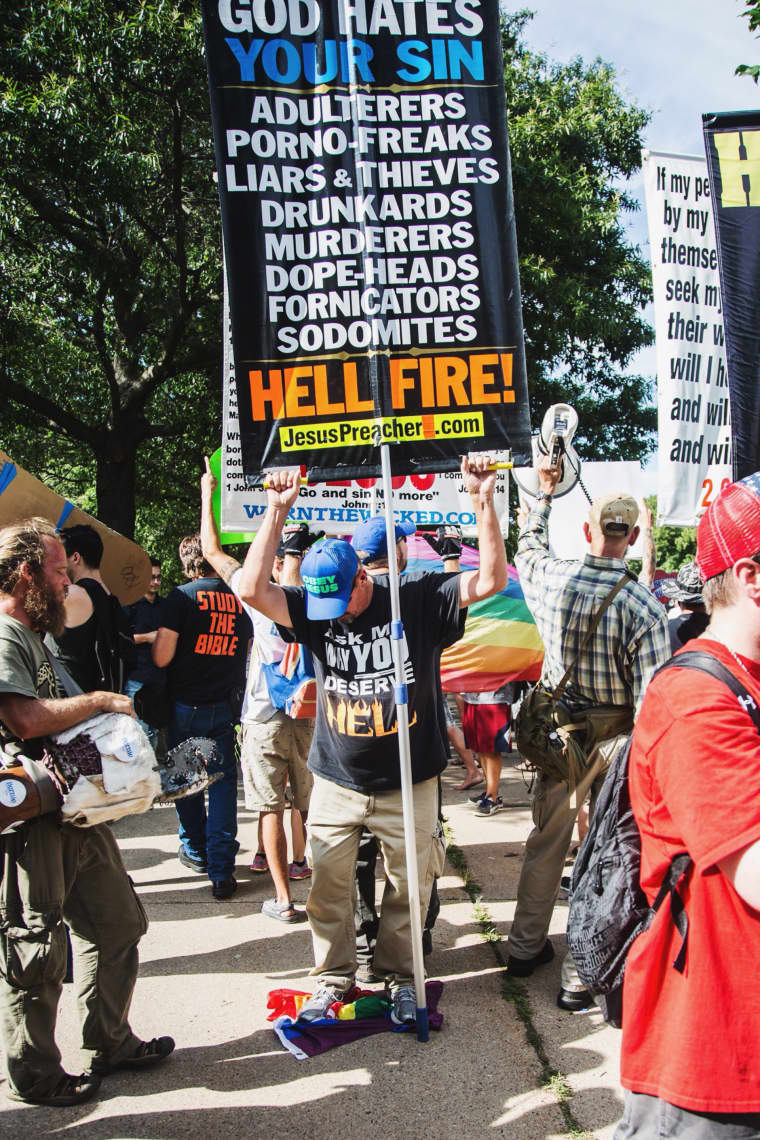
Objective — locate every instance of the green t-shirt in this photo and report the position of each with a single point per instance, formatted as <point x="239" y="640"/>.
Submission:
<point x="25" y="668"/>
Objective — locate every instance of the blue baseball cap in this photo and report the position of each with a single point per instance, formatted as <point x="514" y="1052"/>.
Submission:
<point x="369" y="538"/>
<point x="328" y="573"/>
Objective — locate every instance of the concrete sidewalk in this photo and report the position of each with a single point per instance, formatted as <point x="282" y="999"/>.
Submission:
<point x="499" y="1068"/>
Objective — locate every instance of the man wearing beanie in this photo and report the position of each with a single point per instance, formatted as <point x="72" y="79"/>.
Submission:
<point x="602" y="672"/>
<point x="691" y="1040"/>
<point x="343" y="616"/>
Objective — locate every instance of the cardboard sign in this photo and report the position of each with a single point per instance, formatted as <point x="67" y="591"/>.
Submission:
<point x="125" y="568"/>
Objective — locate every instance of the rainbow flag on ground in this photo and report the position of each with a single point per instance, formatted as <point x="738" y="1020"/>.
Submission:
<point x="500" y="643"/>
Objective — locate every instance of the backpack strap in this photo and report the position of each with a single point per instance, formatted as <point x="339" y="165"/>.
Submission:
<point x="681" y="863"/>
<point x="706" y="663"/>
<point x="626" y="576"/>
<point x="64" y="678"/>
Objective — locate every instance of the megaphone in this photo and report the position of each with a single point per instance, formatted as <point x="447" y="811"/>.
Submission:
<point x="558" y="427"/>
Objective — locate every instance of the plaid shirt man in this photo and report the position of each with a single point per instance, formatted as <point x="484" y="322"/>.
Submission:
<point x="630" y="642"/>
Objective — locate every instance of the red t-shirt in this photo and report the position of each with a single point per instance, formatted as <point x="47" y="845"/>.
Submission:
<point x="693" y="1039"/>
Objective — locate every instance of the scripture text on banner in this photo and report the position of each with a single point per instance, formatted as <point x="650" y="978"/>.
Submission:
<point x="694" y="420"/>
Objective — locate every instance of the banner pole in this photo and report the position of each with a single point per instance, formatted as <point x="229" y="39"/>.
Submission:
<point x="402" y="715"/>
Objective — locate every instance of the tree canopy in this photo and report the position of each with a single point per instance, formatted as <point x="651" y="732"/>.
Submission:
<point x="752" y="14"/>
<point x="574" y="142"/>
<point x="110" y="345"/>
<point x="111" y="262"/>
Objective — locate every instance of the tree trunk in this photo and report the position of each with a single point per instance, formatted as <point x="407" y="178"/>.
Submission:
<point x="115" y="485"/>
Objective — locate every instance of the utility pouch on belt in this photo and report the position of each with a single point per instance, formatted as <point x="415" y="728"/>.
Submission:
<point x="560" y="743"/>
<point x="26" y="791"/>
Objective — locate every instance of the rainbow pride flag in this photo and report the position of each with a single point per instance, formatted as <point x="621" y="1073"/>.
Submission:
<point x="500" y="643"/>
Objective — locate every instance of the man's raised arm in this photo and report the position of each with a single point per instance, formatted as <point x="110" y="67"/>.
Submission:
<point x="224" y="564"/>
<point x="491" y="574"/>
<point x="255" y="584"/>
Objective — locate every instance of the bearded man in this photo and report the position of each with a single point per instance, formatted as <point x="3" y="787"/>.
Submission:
<point x="52" y="872"/>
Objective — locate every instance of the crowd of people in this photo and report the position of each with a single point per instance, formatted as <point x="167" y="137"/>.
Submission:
<point x="296" y="646"/>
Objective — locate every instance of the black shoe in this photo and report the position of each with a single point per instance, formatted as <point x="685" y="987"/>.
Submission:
<point x="224" y="888"/>
<point x="524" y="967"/>
<point x="574" y="1000"/>
<point x="197" y="865"/>
<point x="147" y="1054"/>
<point x="69" y="1090"/>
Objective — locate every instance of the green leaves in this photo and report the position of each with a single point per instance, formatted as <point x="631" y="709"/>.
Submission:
<point x="752" y="15"/>
<point x="574" y="142"/>
<point x="105" y="142"/>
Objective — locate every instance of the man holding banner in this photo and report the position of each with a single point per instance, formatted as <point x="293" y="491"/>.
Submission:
<point x="343" y="616"/>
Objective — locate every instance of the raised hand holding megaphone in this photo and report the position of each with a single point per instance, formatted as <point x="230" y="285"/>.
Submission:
<point x="554" y="443"/>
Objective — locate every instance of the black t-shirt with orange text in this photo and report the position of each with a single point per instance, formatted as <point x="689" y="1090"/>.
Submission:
<point x="212" y="647"/>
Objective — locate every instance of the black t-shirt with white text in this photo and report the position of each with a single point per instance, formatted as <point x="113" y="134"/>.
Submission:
<point x="212" y="647"/>
<point x="355" y="742"/>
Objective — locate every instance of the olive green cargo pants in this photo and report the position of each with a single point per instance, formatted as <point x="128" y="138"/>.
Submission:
<point x="49" y="873"/>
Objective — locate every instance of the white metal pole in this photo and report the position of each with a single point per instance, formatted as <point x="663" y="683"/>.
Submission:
<point x="402" y="715"/>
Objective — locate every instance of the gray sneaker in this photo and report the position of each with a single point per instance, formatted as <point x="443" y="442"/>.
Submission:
<point x="489" y="806"/>
<point x="404" y="1009"/>
<point x="319" y="1003"/>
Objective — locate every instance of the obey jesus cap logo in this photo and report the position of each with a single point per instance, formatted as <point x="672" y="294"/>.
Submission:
<point x="730" y="528"/>
<point x="328" y="573"/>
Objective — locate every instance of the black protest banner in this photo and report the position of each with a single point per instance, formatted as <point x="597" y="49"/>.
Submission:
<point x="732" y="145"/>
<point x="365" y="187"/>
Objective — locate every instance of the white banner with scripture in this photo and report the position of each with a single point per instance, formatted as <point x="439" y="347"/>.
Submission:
<point x="694" y="421"/>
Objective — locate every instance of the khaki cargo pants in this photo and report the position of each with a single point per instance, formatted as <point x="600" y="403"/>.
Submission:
<point x="48" y="873"/>
<point x="336" y="818"/>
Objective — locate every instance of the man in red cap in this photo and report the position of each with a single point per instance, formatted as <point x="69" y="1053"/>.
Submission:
<point x="691" y="1039"/>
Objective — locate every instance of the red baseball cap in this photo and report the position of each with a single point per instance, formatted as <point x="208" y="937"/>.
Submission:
<point x="730" y="529"/>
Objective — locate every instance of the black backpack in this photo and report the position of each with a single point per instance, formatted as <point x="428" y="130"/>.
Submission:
<point x="608" y="908"/>
<point x="115" y="649"/>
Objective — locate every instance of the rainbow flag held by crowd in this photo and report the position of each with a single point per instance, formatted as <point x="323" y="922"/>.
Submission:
<point x="501" y="642"/>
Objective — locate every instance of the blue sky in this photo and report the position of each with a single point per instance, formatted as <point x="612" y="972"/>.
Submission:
<point x="674" y="58"/>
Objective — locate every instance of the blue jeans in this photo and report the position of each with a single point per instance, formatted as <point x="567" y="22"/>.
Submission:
<point x="209" y="837"/>
<point x="130" y="689"/>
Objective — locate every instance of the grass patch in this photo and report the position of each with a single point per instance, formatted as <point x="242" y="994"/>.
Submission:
<point x="514" y="991"/>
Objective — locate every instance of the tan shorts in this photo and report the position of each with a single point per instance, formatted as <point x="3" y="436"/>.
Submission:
<point x="273" y="753"/>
